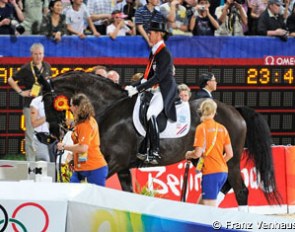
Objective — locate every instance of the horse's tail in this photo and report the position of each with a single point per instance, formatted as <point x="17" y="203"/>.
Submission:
<point x="258" y="143"/>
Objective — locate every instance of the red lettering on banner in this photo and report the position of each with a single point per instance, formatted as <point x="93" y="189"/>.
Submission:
<point x="167" y="181"/>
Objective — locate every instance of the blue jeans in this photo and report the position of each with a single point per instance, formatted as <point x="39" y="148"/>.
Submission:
<point x="96" y="176"/>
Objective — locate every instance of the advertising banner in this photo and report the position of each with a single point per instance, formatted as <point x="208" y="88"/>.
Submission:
<point x="166" y="182"/>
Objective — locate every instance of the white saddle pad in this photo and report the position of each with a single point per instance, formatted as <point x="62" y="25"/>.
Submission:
<point x="173" y="129"/>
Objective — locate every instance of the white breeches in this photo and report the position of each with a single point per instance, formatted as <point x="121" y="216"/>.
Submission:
<point x="156" y="105"/>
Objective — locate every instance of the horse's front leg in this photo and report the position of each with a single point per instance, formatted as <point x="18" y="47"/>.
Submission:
<point x="125" y="179"/>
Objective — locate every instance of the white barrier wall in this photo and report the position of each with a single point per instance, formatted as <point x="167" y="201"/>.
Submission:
<point x="57" y="207"/>
<point x="14" y="170"/>
<point x="33" y="207"/>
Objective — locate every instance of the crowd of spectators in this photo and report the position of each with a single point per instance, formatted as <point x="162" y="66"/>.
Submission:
<point x="55" y="18"/>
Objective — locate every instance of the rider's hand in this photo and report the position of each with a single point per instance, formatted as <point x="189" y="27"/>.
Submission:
<point x="131" y="90"/>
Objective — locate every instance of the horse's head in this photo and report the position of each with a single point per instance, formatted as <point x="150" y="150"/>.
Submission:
<point x="55" y="107"/>
<point x="57" y="92"/>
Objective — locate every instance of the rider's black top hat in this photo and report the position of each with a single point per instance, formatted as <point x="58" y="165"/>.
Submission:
<point x="154" y="26"/>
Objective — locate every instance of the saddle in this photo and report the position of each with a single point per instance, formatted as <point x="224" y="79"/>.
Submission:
<point x="167" y="128"/>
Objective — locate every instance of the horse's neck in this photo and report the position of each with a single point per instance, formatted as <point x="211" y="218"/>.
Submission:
<point x="100" y="93"/>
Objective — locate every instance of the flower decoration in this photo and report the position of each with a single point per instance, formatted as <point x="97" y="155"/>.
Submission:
<point x="61" y="103"/>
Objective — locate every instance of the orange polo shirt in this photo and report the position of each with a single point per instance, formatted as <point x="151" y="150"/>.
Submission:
<point x="214" y="162"/>
<point x="87" y="133"/>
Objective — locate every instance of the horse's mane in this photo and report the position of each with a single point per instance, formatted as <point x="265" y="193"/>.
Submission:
<point x="98" y="88"/>
<point x="81" y="74"/>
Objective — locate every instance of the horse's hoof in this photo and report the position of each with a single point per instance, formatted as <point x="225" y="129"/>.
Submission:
<point x="141" y="156"/>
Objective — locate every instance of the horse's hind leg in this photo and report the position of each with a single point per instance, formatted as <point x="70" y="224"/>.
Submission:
<point x="224" y="190"/>
<point x="241" y="192"/>
<point x="125" y="179"/>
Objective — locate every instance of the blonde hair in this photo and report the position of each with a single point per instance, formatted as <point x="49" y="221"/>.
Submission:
<point x="207" y="109"/>
<point x="184" y="87"/>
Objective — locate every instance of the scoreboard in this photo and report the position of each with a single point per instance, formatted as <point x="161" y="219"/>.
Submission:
<point x="270" y="90"/>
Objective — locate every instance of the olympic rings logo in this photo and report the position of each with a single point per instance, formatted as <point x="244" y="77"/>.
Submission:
<point x="15" y="222"/>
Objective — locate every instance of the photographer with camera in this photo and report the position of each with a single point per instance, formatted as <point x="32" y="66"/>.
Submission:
<point x="232" y="18"/>
<point x="10" y="15"/>
<point x="202" y="22"/>
<point x="271" y="22"/>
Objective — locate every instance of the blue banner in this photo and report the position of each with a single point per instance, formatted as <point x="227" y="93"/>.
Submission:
<point x="136" y="47"/>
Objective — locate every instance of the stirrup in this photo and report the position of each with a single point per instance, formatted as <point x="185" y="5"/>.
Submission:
<point x="147" y="160"/>
<point x="141" y="156"/>
<point x="151" y="160"/>
<point x="154" y="156"/>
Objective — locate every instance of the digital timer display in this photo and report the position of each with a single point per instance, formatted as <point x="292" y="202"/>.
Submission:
<point x="226" y="75"/>
<point x="265" y="76"/>
<point x="6" y="72"/>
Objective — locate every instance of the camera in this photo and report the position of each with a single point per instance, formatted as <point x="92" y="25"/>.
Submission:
<point x="240" y="1"/>
<point x="16" y="26"/>
<point x="202" y="8"/>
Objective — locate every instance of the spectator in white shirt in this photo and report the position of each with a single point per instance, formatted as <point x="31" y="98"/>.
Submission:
<point x="76" y="16"/>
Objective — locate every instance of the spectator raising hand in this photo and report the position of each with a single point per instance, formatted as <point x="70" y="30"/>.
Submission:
<point x="202" y="22"/>
<point x="120" y="27"/>
<point x="232" y="17"/>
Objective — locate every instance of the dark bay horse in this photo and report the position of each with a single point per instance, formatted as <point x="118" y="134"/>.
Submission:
<point x="120" y="141"/>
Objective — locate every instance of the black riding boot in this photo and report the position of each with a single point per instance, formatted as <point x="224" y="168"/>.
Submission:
<point x="154" y="141"/>
<point x="143" y="152"/>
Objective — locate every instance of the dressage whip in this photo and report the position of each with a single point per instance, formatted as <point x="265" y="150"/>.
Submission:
<point x="185" y="179"/>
